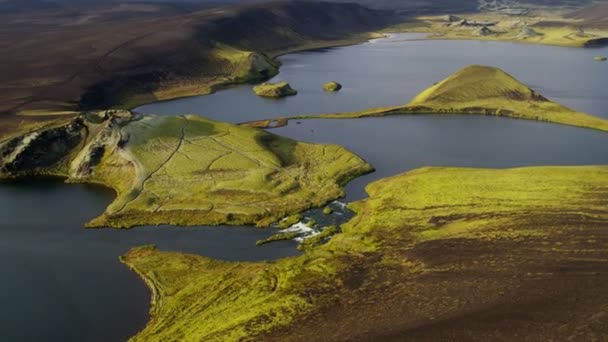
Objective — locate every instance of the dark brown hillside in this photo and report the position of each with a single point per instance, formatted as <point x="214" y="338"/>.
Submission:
<point x="64" y="60"/>
<point x="593" y="16"/>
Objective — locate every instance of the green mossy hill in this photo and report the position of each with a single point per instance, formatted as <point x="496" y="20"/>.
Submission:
<point x="477" y="83"/>
<point x="276" y="90"/>
<point x="484" y="90"/>
<point x="332" y="86"/>
<point x="439" y="244"/>
<point x="185" y="170"/>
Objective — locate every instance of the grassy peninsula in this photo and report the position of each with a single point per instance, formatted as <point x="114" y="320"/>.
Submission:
<point x="482" y="90"/>
<point x="433" y="253"/>
<point x="184" y="170"/>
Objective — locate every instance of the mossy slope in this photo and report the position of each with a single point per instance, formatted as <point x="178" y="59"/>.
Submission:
<point x="187" y="170"/>
<point x="432" y="253"/>
<point x="485" y="90"/>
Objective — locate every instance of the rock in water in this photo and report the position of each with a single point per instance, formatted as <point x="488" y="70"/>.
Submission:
<point x="332" y="86"/>
<point x="275" y="90"/>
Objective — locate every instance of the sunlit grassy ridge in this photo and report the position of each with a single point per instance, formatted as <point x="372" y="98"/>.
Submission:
<point x="190" y="170"/>
<point x="549" y="216"/>
<point x="484" y="90"/>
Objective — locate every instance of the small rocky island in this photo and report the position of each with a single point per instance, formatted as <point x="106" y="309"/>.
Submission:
<point x="601" y="58"/>
<point x="276" y="90"/>
<point x="332" y="86"/>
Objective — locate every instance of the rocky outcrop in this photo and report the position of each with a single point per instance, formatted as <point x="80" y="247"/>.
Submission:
<point x="42" y="152"/>
<point x="69" y="150"/>
<point x="332" y="86"/>
<point x="485" y="31"/>
<point x="528" y="32"/>
<point x="451" y="18"/>
<point x="261" y="66"/>
<point x="275" y="90"/>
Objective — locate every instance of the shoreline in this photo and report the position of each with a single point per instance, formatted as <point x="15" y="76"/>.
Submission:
<point x="210" y="88"/>
<point x="221" y="285"/>
<point x="213" y="87"/>
<point x="370" y="36"/>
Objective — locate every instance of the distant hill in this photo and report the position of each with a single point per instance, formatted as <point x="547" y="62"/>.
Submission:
<point x="104" y="56"/>
<point x="593" y="16"/>
<point x="407" y="7"/>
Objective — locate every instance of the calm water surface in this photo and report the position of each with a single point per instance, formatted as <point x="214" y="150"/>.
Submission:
<point x="396" y="144"/>
<point x="61" y="282"/>
<point x="392" y="71"/>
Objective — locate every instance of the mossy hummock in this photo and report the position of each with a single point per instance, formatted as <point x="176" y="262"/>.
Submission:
<point x="185" y="170"/>
<point x="275" y="90"/>
<point x="332" y="86"/>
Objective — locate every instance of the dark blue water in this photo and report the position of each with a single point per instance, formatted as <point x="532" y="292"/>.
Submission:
<point x="396" y="144"/>
<point x="61" y="282"/>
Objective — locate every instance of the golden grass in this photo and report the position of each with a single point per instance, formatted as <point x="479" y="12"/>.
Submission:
<point x="193" y="171"/>
<point x="201" y="299"/>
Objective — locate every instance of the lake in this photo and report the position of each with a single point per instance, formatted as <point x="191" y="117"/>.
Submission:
<point x="61" y="282"/>
<point x="388" y="72"/>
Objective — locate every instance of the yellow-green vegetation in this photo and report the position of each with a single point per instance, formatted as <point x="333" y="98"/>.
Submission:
<point x="278" y="237"/>
<point x="185" y="170"/>
<point x="237" y="65"/>
<point x="40" y="112"/>
<point x="483" y="90"/>
<point x="318" y="239"/>
<point x="192" y="171"/>
<point x="290" y="221"/>
<point x="426" y="248"/>
<point x="332" y="86"/>
<point x="328" y="210"/>
<point x="538" y="27"/>
<point x="601" y="58"/>
<point x="276" y="90"/>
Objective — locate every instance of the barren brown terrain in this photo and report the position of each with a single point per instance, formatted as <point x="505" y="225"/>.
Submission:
<point x="69" y="59"/>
